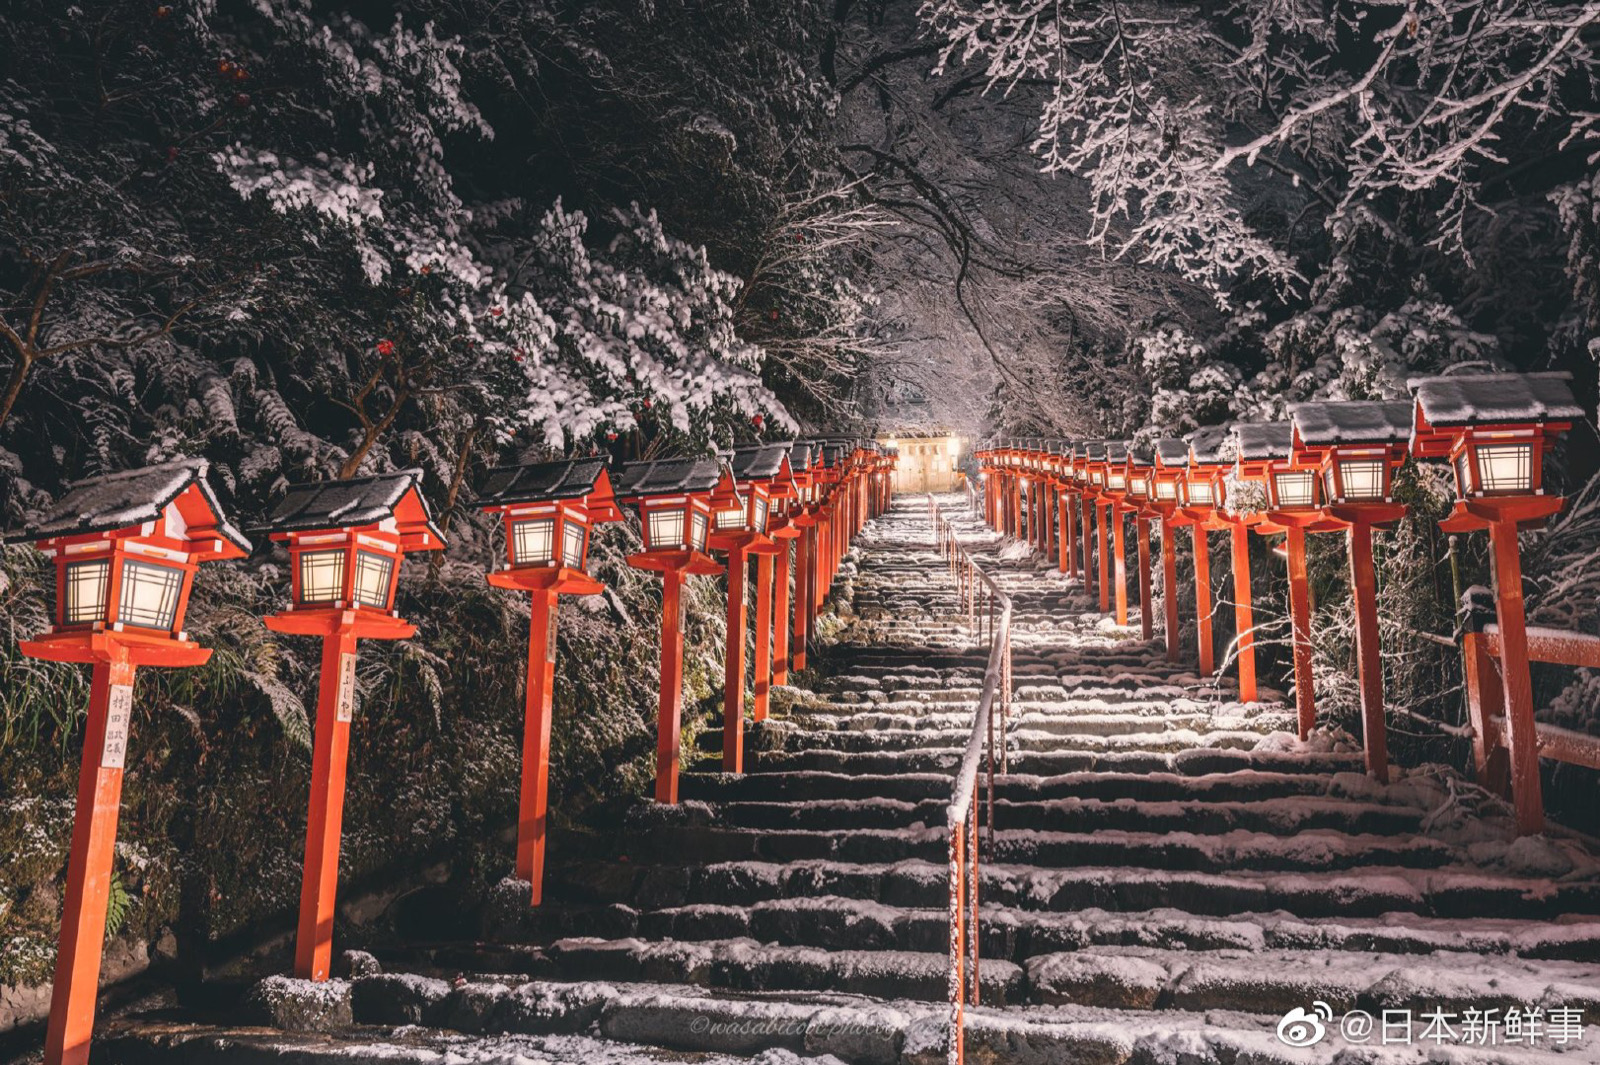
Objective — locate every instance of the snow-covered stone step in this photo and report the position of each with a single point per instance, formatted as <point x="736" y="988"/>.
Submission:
<point x="744" y="964"/>
<point x="1284" y="816"/>
<point x="1276" y="981"/>
<point x="1191" y="782"/>
<point x="1161" y="735"/>
<point x="1368" y="891"/>
<point x="1312" y="850"/>
<point x="1195" y="760"/>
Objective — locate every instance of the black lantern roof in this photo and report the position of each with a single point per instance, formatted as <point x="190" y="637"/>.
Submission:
<point x="758" y="462"/>
<point x="832" y="454"/>
<point x="362" y="501"/>
<point x="1210" y="445"/>
<point x="1490" y="399"/>
<point x="1140" y="455"/>
<point x="1116" y="450"/>
<point x="659" y="477"/>
<point x="129" y="497"/>
<point x="542" y="481"/>
<point x="1351" y="422"/>
<point x="1090" y="450"/>
<point x="800" y="456"/>
<point x="1172" y="451"/>
<point x="1258" y="441"/>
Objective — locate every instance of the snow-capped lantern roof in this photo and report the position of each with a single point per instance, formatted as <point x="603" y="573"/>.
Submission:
<point x="583" y="480"/>
<point x="1263" y="441"/>
<point x="800" y="456"/>
<point x="175" y="493"/>
<point x="1351" y="422"/>
<point x="1171" y="451"/>
<point x="388" y="497"/>
<point x="670" y="476"/>
<point x="1210" y="445"/>
<point x="759" y="462"/>
<point x="1116" y="451"/>
<point x="1494" y="399"/>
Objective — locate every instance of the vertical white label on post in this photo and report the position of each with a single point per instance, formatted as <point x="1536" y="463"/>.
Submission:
<point x="550" y="627"/>
<point x="346" y="705"/>
<point x="119" y="712"/>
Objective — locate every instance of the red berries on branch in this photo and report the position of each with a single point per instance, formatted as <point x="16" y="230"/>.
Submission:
<point x="385" y="347"/>
<point x="758" y="421"/>
<point x="773" y="315"/>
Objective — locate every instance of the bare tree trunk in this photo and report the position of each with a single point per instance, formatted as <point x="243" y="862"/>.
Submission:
<point x="19" y="374"/>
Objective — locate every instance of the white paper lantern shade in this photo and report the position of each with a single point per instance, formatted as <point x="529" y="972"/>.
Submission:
<point x="533" y="541"/>
<point x="87" y="592"/>
<point x="149" y="596"/>
<point x="1167" y="490"/>
<point x="574" y="542"/>
<point x="1116" y="482"/>
<point x="374" y="579"/>
<point x="1504" y="467"/>
<point x="1295" y="489"/>
<point x="759" y="518"/>
<point x="1200" y="493"/>
<point x="322" y="576"/>
<point x="666" y="528"/>
<point x="730" y="519"/>
<point x="1361" y="479"/>
<point x="702" y="525"/>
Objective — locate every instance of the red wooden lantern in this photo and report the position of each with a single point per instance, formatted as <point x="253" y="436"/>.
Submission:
<point x="1245" y="497"/>
<point x="548" y="511"/>
<point x="1065" y="490"/>
<point x="772" y="601"/>
<point x="126" y="547"/>
<point x="1114" y="499"/>
<point x="1090" y="457"/>
<point x="1495" y="430"/>
<point x="1140" y="502"/>
<point x="801" y="514"/>
<point x="346" y="540"/>
<point x="674" y="501"/>
<point x="1355" y="447"/>
<point x="1209" y="453"/>
<point x="1167" y="495"/>
<point x="739" y="527"/>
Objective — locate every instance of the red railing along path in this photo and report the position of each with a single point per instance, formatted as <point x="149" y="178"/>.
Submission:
<point x="1493" y="730"/>
<point x="961" y="816"/>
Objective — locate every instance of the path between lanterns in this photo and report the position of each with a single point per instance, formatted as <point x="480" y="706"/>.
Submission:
<point x="1171" y="874"/>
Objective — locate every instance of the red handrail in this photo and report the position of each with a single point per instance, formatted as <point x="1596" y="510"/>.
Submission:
<point x="961" y="815"/>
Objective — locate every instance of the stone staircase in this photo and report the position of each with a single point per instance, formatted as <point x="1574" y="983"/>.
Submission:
<point x="1171" y="872"/>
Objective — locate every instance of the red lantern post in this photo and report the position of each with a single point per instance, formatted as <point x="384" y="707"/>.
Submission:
<point x="548" y="511"/>
<point x="1495" y="430"/>
<point x="673" y="497"/>
<point x="1203" y="492"/>
<point x="1115" y="495"/>
<point x="1356" y="447"/>
<point x="1169" y="482"/>
<point x="126" y="547"/>
<point x="791" y="532"/>
<point x="346" y="541"/>
<point x="1141" y="504"/>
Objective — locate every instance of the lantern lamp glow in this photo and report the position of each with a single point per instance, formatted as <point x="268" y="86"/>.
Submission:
<point x="1495" y="430"/>
<point x="674" y="500"/>
<point x="346" y="540"/>
<point x="126" y="546"/>
<point x="542" y="505"/>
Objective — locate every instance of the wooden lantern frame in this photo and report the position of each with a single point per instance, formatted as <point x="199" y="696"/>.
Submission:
<point x="167" y="516"/>
<point x="1455" y="418"/>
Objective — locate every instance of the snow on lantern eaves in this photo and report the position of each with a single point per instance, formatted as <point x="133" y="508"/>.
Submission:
<point x="359" y="502"/>
<point x="1171" y="451"/>
<point x="759" y="462"/>
<point x="570" y="479"/>
<point x="653" y="477"/>
<point x="131" y="498"/>
<point x="1263" y="441"/>
<point x="1350" y="422"/>
<point x="1481" y="399"/>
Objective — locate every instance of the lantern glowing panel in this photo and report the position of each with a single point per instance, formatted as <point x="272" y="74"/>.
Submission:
<point x="1200" y="493"/>
<point x="1167" y="490"/>
<point x="88" y="591"/>
<point x="1297" y="488"/>
<point x="533" y="541"/>
<point x="1361" y="479"/>
<point x="1504" y="467"/>
<point x="149" y="595"/>
<point x="574" y="544"/>
<point x="321" y="576"/>
<point x="374" y="584"/>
